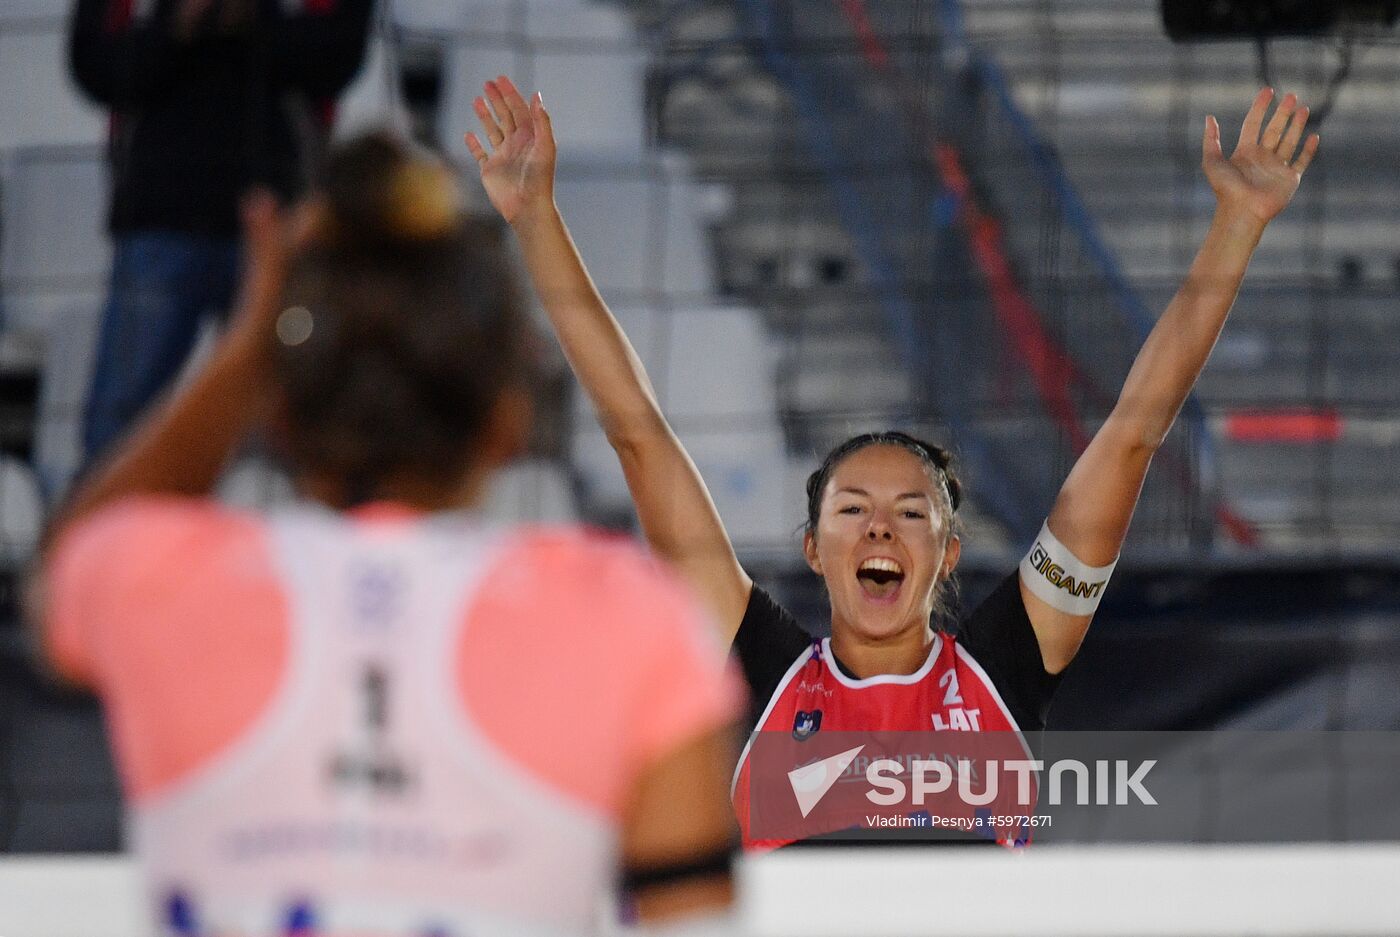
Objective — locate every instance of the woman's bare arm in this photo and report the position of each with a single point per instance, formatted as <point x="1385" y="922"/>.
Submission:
<point x="1096" y="503"/>
<point x="677" y="514"/>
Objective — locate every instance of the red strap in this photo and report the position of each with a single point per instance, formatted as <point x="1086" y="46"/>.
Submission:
<point x="325" y="110"/>
<point x="118" y="15"/>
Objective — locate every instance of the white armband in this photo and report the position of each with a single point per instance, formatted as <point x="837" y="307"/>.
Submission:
<point x="1060" y="579"/>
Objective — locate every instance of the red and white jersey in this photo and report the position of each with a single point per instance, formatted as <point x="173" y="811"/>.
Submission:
<point x="950" y="691"/>
<point x="383" y="724"/>
<point x="990" y="678"/>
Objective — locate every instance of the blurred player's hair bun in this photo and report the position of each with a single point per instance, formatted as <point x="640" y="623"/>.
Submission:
<point x="380" y="191"/>
<point x="404" y="323"/>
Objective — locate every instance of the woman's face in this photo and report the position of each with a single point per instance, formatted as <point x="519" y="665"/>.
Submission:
<point x="882" y="544"/>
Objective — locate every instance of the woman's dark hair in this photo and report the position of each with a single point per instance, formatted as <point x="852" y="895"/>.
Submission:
<point x="938" y="460"/>
<point x="402" y="327"/>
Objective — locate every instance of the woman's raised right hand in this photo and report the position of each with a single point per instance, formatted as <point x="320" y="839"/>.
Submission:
<point x="518" y="169"/>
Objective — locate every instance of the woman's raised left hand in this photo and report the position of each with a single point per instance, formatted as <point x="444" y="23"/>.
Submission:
<point x="518" y="169"/>
<point x="1260" y="177"/>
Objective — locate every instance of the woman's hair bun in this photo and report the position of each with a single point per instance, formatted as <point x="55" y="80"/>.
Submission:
<point x="379" y="190"/>
<point x="424" y="202"/>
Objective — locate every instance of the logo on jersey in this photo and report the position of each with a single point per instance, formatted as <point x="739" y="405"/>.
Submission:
<point x="806" y="723"/>
<point x="377" y="594"/>
<point x="180" y="915"/>
<point x="300" y="920"/>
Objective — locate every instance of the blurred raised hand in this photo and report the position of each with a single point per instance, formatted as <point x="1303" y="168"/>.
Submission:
<point x="517" y="169"/>
<point x="1260" y="177"/>
<point x="269" y="239"/>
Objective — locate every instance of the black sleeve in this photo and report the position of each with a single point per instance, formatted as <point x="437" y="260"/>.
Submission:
<point x="999" y="636"/>
<point x="768" y="641"/>
<point x="120" y="67"/>
<point x="319" y="53"/>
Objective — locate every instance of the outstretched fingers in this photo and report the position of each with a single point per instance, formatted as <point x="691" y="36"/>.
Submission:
<point x="1288" y="146"/>
<point x="265" y="236"/>
<point x="1254" y="120"/>
<point x="544" y="127"/>
<point x="475" y="148"/>
<point x="1210" y="142"/>
<point x="265" y="232"/>
<point x="1300" y="165"/>
<point x="1273" y="133"/>
<point x="488" y="122"/>
<point x="514" y="102"/>
<point x="262" y="220"/>
<point x="504" y="117"/>
<point x="506" y="114"/>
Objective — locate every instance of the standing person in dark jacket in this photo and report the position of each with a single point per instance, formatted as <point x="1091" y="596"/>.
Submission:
<point x="208" y="98"/>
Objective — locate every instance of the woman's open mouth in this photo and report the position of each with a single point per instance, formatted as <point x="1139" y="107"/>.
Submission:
<point x="880" y="579"/>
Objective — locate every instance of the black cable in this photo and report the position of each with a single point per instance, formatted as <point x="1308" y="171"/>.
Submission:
<point x="1346" y="58"/>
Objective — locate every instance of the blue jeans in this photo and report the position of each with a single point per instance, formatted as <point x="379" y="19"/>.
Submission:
<point x="162" y="285"/>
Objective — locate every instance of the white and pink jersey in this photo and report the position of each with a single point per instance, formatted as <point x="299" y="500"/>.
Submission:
<point x="377" y="724"/>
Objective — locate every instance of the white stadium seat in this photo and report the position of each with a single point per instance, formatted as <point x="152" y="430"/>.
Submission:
<point x="21" y="512"/>
<point x="719" y="366"/>
<point x="371" y="101"/>
<point x="756" y="488"/>
<point x="40" y="105"/>
<point x="55" y="203"/>
<point x="530" y="491"/>
<point x="602" y="115"/>
<point x="67" y="322"/>
<point x="751" y="481"/>
<point x="639" y="228"/>
<point x="464" y="68"/>
<point x="254" y="484"/>
<point x="474" y="19"/>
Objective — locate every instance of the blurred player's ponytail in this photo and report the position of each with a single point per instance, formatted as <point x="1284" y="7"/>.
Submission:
<point x="405" y="325"/>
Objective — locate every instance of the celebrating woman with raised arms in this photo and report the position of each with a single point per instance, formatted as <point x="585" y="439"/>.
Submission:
<point x="882" y="526"/>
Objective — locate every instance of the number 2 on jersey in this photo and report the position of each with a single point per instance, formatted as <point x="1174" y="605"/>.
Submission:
<point x="949" y="680"/>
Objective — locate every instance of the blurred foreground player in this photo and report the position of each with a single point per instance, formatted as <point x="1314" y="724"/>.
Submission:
<point x="370" y="714"/>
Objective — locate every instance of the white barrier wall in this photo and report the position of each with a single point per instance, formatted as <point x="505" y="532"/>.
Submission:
<point x="1065" y="890"/>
